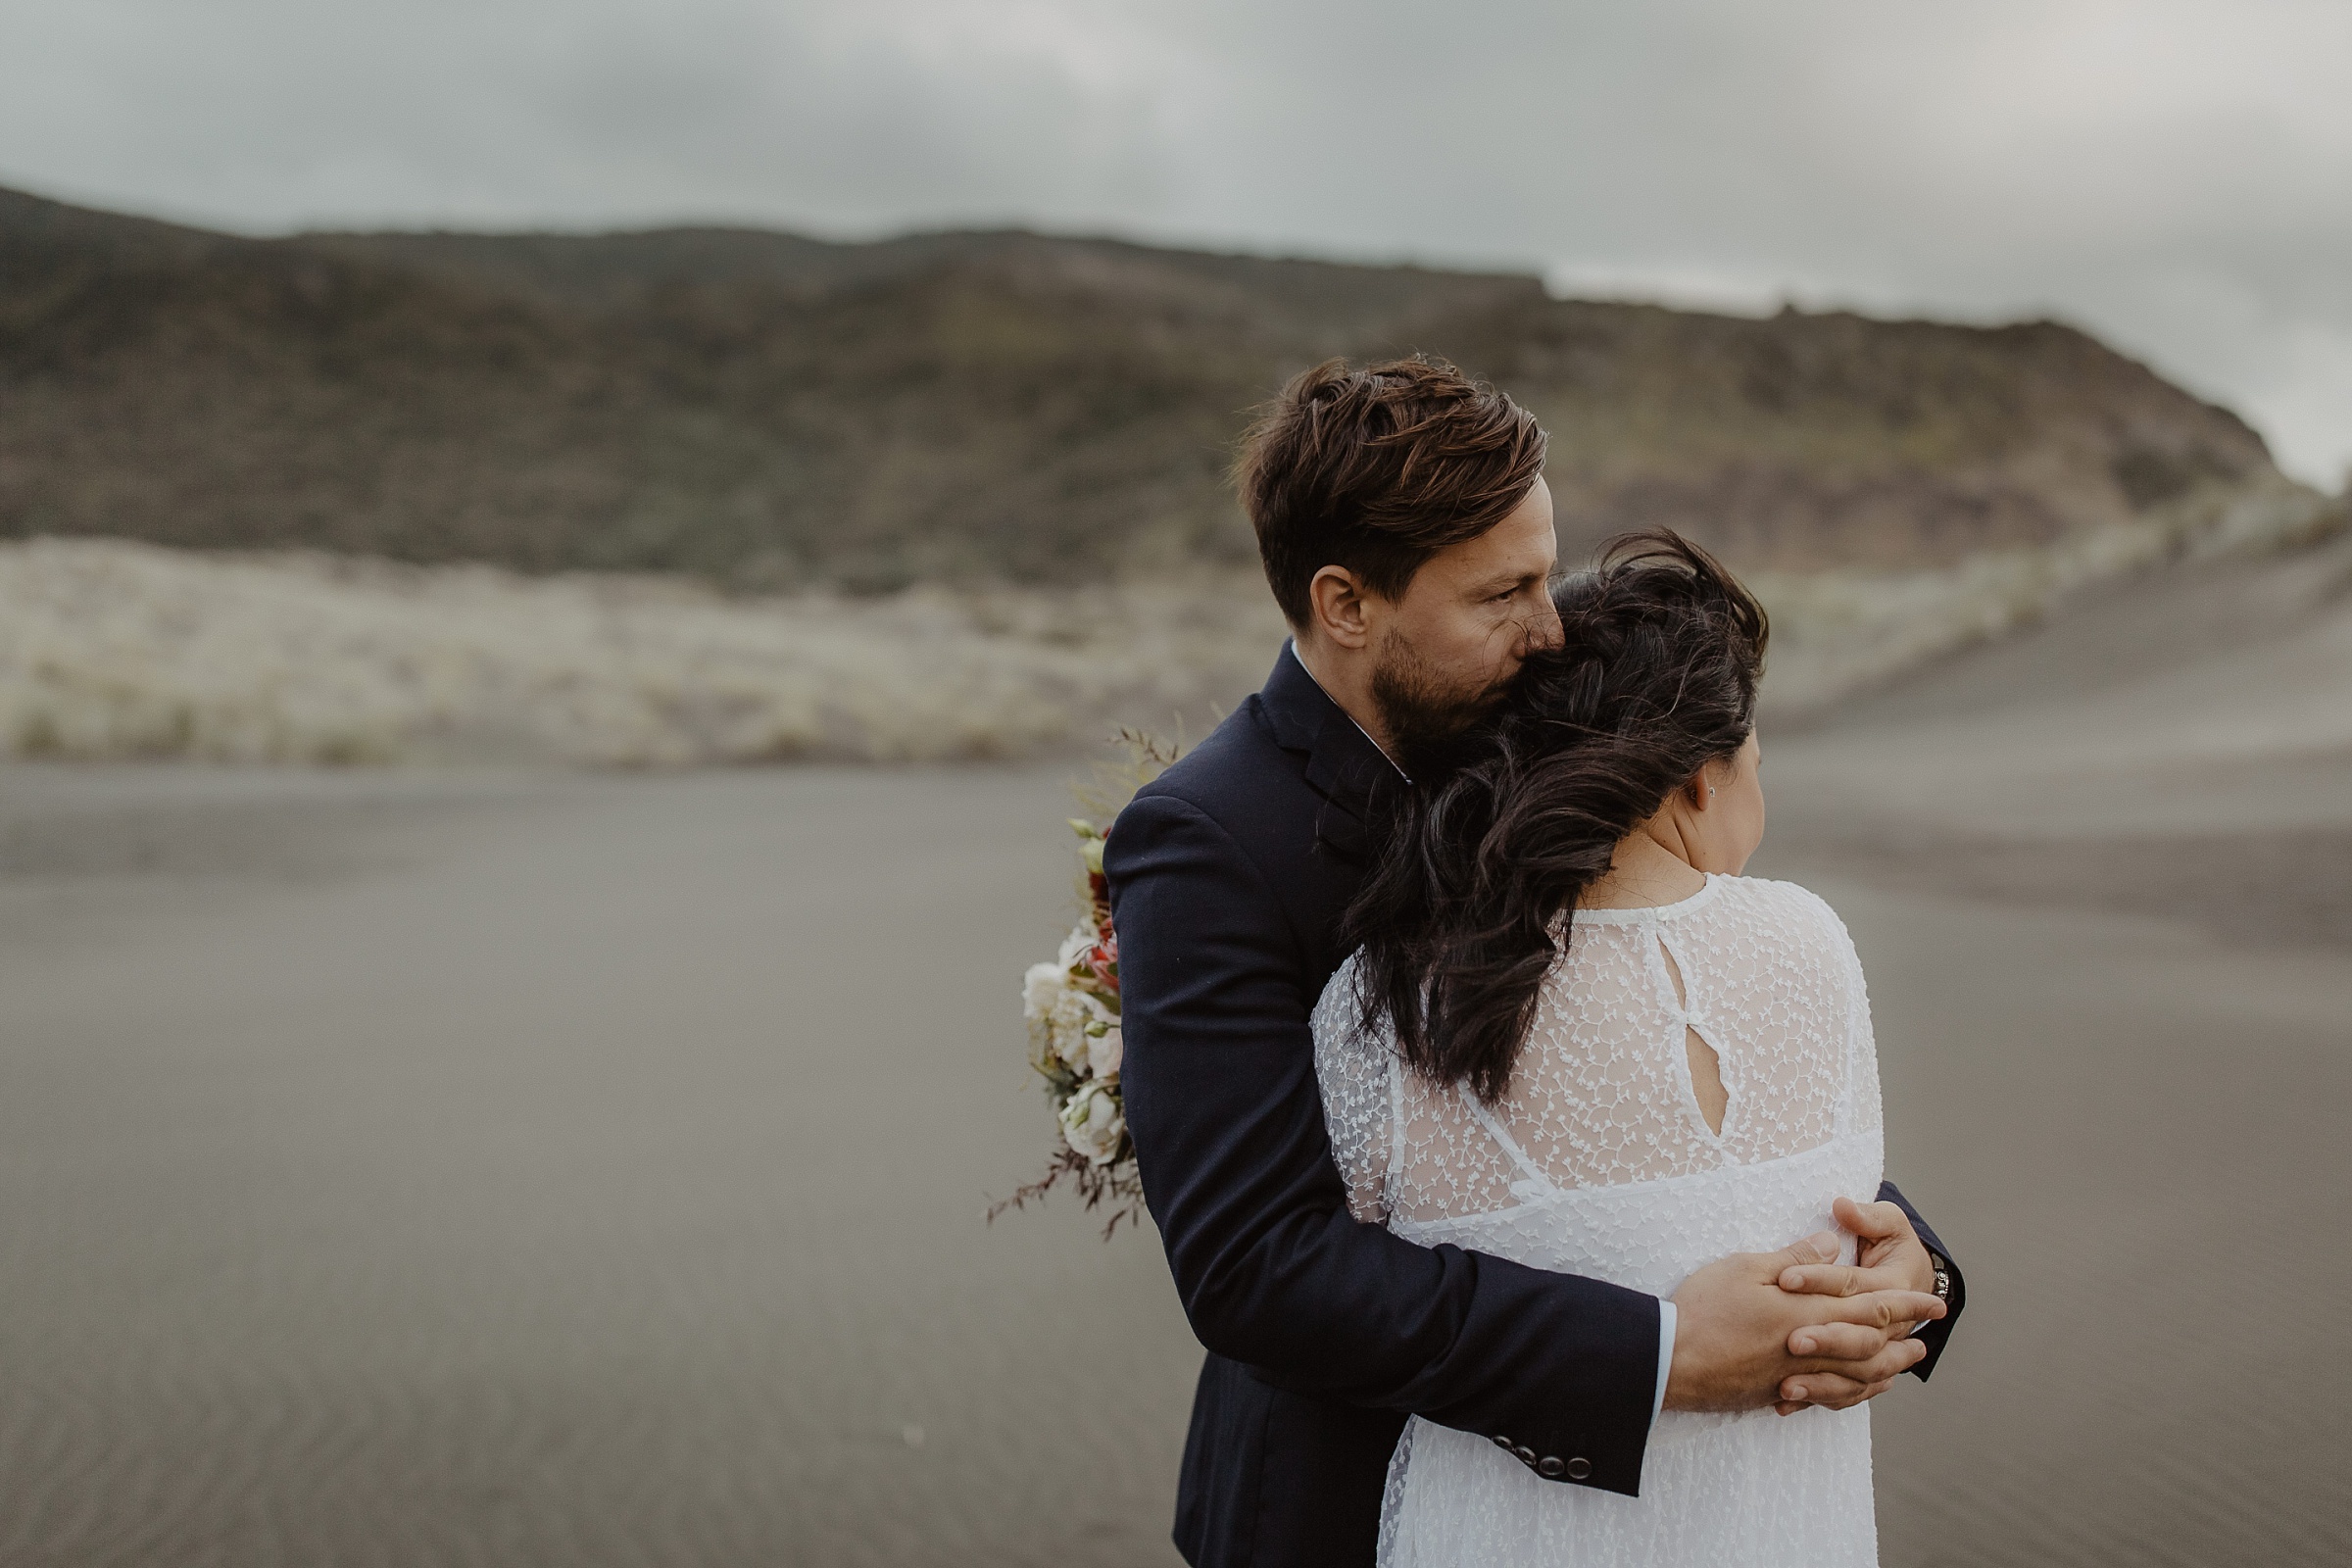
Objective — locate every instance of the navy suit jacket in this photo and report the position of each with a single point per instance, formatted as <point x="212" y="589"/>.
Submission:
<point x="1228" y="877"/>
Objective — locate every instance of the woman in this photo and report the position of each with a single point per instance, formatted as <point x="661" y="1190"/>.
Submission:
<point x="1577" y="1037"/>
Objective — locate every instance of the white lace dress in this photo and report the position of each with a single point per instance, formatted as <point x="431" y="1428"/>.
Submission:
<point x="1601" y="1163"/>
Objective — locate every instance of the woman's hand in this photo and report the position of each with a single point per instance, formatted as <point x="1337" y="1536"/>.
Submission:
<point x="1892" y="1258"/>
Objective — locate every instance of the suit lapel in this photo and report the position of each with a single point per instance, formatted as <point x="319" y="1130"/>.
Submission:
<point x="1343" y="766"/>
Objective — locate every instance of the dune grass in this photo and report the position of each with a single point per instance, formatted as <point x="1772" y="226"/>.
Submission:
<point x="110" y="649"/>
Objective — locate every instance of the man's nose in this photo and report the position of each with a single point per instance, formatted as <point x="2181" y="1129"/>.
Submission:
<point x="1543" y="632"/>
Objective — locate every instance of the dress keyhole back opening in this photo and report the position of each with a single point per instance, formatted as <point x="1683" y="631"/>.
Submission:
<point x="1705" y="1067"/>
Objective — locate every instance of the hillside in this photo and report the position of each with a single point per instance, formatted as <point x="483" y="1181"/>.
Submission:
<point x="780" y="413"/>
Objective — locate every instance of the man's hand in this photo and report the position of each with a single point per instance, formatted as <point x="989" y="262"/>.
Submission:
<point x="1736" y="1334"/>
<point x="1892" y="1258"/>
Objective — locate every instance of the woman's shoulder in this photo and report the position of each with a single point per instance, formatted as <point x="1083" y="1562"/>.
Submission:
<point x="1338" y="1018"/>
<point x="1339" y="1001"/>
<point x="1790" y="905"/>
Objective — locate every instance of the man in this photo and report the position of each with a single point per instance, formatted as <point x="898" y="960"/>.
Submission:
<point x="1408" y="534"/>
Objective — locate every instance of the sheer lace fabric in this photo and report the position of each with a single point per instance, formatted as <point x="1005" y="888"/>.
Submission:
<point x="1600" y="1162"/>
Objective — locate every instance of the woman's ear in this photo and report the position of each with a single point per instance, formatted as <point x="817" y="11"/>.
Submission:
<point x="1705" y="784"/>
<point x="1334" y="602"/>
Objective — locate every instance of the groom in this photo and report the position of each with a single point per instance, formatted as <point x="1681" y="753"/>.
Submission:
<point x="1408" y="535"/>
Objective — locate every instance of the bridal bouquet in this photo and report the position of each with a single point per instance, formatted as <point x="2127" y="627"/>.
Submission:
<point x="1072" y="1005"/>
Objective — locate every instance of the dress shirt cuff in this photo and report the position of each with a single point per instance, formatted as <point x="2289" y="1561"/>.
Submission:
<point x="1665" y="1356"/>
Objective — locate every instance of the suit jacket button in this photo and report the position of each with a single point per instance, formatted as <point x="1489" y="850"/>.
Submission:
<point x="1579" y="1469"/>
<point x="1527" y="1455"/>
<point x="1551" y="1467"/>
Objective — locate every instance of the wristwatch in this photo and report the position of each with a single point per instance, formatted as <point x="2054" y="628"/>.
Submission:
<point x="1942" y="1265"/>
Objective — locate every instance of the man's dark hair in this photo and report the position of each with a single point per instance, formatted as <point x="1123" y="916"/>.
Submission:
<point x="1377" y="470"/>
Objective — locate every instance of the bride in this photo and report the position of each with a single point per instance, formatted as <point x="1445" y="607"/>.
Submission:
<point x="1575" y="1036"/>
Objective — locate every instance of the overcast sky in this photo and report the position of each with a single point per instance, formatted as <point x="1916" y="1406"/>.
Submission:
<point x="2175" y="176"/>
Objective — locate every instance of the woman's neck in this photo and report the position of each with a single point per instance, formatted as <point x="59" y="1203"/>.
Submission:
<point x="1644" y="874"/>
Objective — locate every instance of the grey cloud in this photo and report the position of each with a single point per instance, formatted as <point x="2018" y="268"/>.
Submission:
<point x="2172" y="173"/>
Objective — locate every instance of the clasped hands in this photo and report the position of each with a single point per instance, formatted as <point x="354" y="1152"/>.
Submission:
<point x="1795" y="1328"/>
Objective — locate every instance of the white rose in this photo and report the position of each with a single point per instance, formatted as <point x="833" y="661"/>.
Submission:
<point x="1081" y="938"/>
<point x="1042" y="987"/>
<point x="1099" y="1042"/>
<point x="1103" y="1051"/>
<point x="1092" y="1125"/>
<point x="1041" y="1054"/>
<point x="1072" y="1011"/>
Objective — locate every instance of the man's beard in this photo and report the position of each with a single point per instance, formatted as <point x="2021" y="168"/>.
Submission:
<point x="1428" y="719"/>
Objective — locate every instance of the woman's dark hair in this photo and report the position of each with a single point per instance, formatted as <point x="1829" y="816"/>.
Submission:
<point x="1656" y="678"/>
<point x="1377" y="470"/>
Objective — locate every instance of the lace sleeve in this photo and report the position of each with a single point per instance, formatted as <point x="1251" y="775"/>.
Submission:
<point x="1865" y="1108"/>
<point x="1352" y="1071"/>
<point x="1870" y="1111"/>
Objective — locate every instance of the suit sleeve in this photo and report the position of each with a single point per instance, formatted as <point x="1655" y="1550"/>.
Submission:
<point x="1221" y="1096"/>
<point x="1934" y="1336"/>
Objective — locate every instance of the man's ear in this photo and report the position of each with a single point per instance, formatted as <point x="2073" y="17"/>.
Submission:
<point x="1335" y="607"/>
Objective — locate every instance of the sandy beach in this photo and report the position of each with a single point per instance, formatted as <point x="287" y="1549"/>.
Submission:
<point x="520" y="1167"/>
